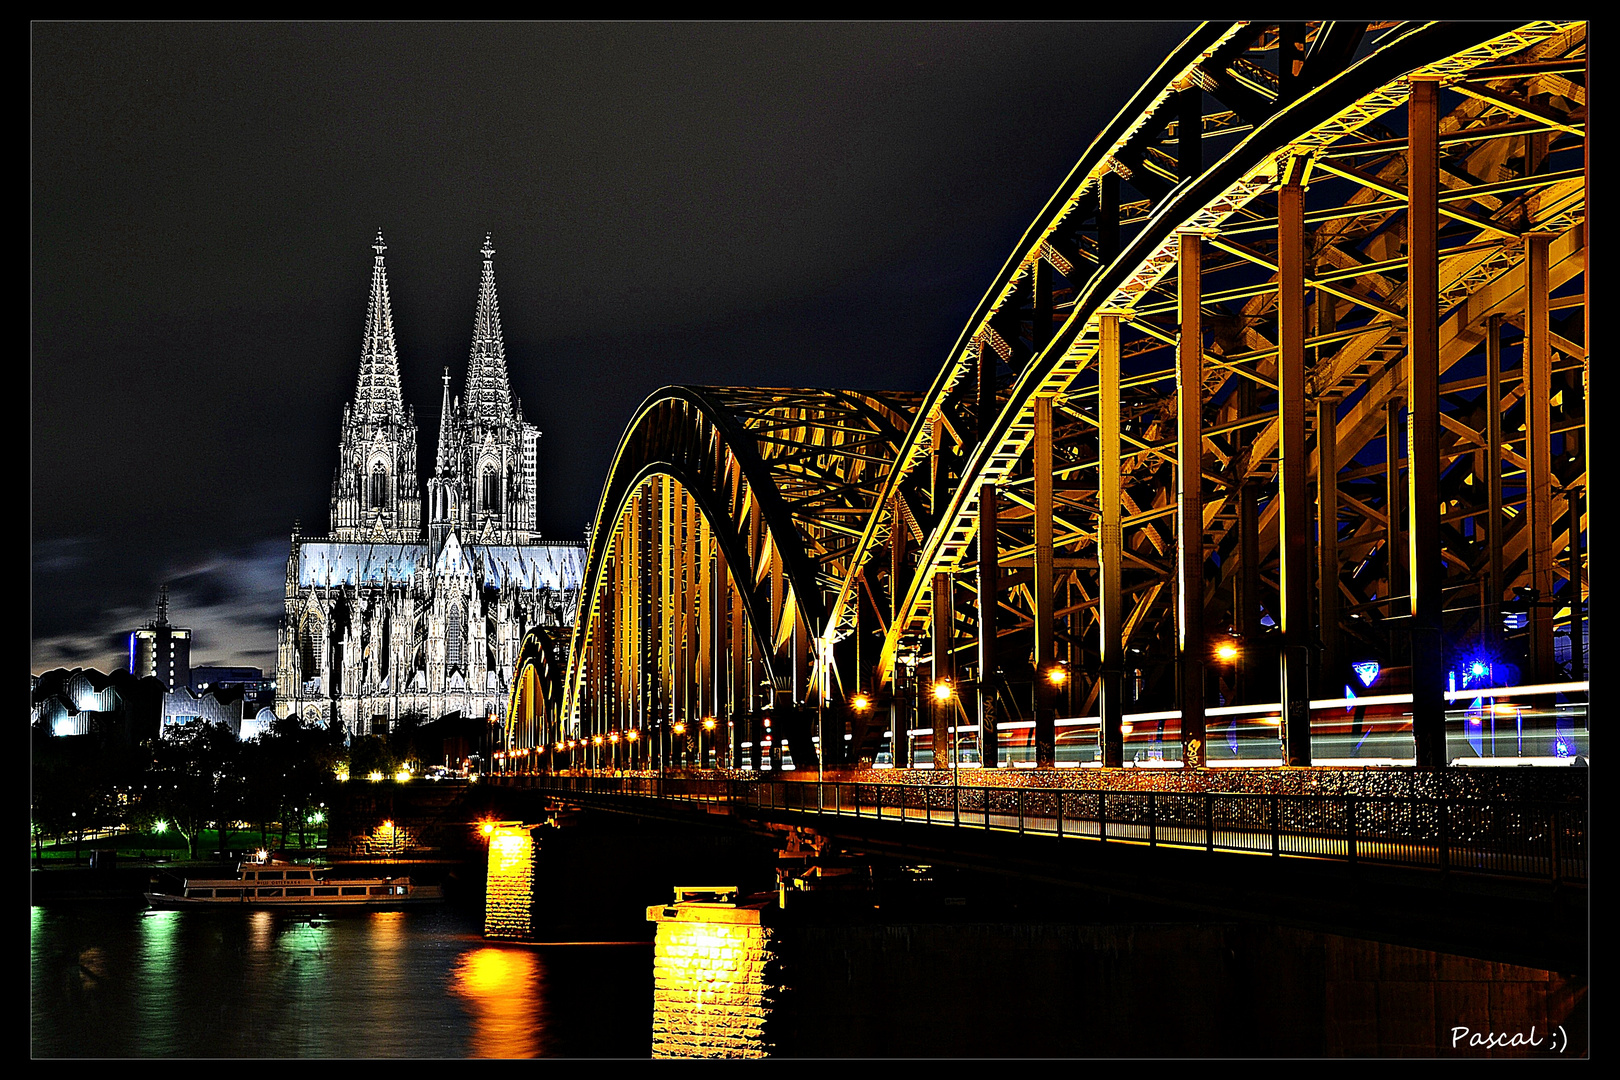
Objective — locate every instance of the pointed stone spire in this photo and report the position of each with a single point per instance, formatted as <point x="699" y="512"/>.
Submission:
<point x="441" y="463"/>
<point x="489" y="393"/>
<point x="378" y="399"/>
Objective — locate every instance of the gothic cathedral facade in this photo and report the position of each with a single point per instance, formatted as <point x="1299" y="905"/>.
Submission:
<point x="413" y="610"/>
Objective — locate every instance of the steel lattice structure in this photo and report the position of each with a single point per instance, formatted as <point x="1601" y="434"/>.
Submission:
<point x="1341" y="266"/>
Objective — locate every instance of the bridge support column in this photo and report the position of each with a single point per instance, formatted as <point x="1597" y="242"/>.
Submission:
<point x="1423" y="420"/>
<point x="1190" y="502"/>
<point x="1247" y="618"/>
<point x="509" y="886"/>
<point x="943" y="710"/>
<point x="1110" y="551"/>
<point x="1293" y="523"/>
<point x="1537" y="368"/>
<point x="1041" y="587"/>
<point x="1327" y="540"/>
<point x="1495" y="523"/>
<point x="989" y="600"/>
<point x="899" y="714"/>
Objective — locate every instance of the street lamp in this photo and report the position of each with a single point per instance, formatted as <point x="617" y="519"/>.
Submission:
<point x="679" y="728"/>
<point x="1227" y="652"/>
<point x="708" y="725"/>
<point x="943" y="692"/>
<point x="632" y="735"/>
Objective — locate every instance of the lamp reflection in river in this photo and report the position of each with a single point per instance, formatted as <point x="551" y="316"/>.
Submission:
<point x="500" y="989"/>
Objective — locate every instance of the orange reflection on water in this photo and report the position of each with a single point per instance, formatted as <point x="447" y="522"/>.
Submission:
<point x="499" y="989"/>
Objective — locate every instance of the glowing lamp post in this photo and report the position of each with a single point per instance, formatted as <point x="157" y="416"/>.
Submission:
<point x="632" y="735"/>
<point x="679" y="728"/>
<point x="1227" y="653"/>
<point x="942" y="694"/>
<point x="708" y="725"/>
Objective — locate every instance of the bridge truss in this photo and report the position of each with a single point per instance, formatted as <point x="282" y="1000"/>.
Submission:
<point x="1296" y="356"/>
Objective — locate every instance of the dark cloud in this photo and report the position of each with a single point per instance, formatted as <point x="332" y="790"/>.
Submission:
<point x="813" y="203"/>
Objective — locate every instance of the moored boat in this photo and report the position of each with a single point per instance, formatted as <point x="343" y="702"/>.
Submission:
<point x="300" y="888"/>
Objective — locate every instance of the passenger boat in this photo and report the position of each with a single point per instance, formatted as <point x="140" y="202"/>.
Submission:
<point x="299" y="888"/>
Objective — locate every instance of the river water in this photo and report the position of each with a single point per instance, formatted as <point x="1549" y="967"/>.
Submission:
<point x="113" y="981"/>
<point x="923" y="964"/>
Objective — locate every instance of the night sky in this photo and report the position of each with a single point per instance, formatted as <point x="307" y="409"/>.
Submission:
<point x="777" y="204"/>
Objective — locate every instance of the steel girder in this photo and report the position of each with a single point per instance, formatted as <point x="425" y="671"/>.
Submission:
<point x="1229" y="271"/>
<point x="536" y="694"/>
<point x="728" y="518"/>
<point x="1509" y="136"/>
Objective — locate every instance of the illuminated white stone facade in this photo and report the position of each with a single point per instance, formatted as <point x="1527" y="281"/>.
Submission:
<point x="393" y="615"/>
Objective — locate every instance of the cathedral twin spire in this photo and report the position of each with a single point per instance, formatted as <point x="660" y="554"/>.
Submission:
<point x="378" y="399"/>
<point x="375" y="492"/>
<point x="489" y="393"/>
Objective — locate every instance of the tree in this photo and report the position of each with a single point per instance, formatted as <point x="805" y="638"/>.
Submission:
<point x="193" y="774"/>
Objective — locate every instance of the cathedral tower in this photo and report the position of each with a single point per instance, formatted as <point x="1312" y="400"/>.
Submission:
<point x="485" y="469"/>
<point x="375" y="496"/>
<point x="401" y="614"/>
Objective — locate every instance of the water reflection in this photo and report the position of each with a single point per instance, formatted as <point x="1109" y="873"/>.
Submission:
<point x="155" y="975"/>
<point x="501" y="992"/>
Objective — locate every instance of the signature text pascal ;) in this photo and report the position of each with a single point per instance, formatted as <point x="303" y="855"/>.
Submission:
<point x="1555" y="1041"/>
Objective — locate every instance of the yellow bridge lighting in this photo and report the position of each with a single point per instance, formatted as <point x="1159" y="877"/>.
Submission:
<point x="632" y="735"/>
<point x="708" y="723"/>
<point x="1058" y="675"/>
<point x="1226" y="650"/>
<point x="680" y="728"/>
<point x="942" y="690"/>
<point x="861" y="702"/>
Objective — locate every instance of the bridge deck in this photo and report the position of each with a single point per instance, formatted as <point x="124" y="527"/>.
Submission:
<point x="1533" y="839"/>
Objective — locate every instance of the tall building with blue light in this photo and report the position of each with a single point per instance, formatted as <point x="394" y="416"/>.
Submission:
<point x="161" y="649"/>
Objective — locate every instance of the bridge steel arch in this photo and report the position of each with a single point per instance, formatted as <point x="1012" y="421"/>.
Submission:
<point x="1316" y="296"/>
<point x="726" y="521"/>
<point x="535" y="698"/>
<point x="1311" y="235"/>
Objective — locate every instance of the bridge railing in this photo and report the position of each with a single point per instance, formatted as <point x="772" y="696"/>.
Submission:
<point x="1535" y="839"/>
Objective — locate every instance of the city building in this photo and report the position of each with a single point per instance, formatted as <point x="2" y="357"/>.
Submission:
<point x="406" y="611"/>
<point x="160" y="649"/>
<point x="249" y="682"/>
<point x="83" y="701"/>
<point x="225" y="705"/>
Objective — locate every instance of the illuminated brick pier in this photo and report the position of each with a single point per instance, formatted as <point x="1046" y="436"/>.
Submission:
<point x="509" y="892"/>
<point x="710" y="990"/>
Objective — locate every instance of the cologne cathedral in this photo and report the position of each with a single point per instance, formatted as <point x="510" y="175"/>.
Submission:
<point x="413" y="610"/>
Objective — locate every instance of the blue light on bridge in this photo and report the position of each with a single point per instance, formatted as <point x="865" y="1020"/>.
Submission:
<point x="1367" y="671"/>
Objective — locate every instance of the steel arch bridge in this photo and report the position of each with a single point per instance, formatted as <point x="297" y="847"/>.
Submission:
<point x="1295" y="356"/>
